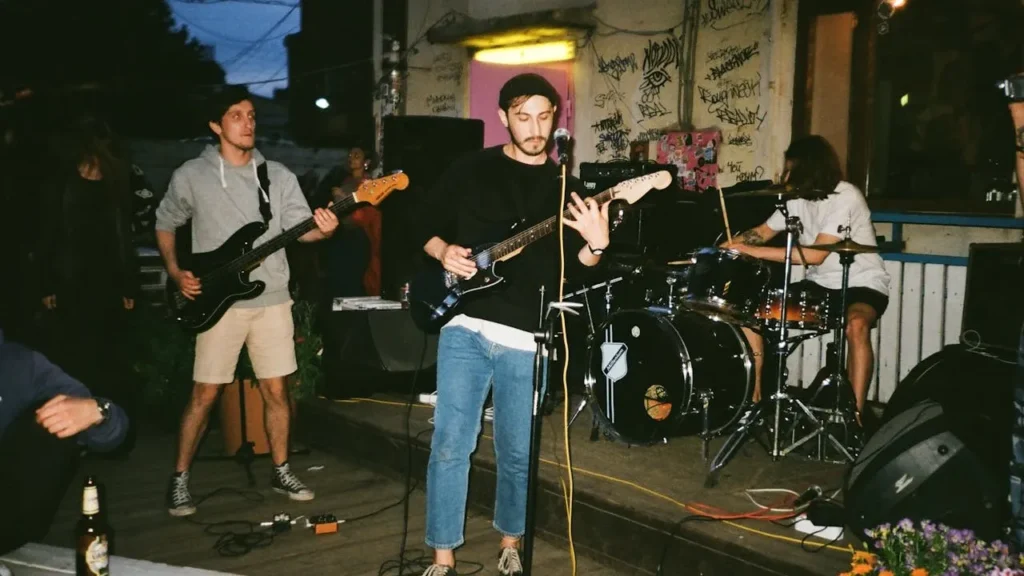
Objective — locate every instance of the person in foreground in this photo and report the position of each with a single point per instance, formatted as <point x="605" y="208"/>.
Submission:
<point x="45" y="418"/>
<point x="220" y="192"/>
<point x="489" y="345"/>
<point x="812" y="164"/>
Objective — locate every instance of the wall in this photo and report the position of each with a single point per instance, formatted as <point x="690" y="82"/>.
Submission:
<point x="435" y="84"/>
<point x="627" y="78"/>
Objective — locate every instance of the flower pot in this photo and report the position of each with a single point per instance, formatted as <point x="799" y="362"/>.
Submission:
<point x="230" y="418"/>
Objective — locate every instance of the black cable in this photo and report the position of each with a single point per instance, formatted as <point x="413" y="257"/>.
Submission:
<point x="231" y="541"/>
<point x="672" y="535"/>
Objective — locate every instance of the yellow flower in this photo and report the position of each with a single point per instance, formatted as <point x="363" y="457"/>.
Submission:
<point x="919" y="572"/>
<point x="863" y="557"/>
<point x="862" y="569"/>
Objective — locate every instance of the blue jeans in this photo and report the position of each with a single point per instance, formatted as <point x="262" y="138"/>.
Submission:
<point x="1017" y="460"/>
<point x="468" y="365"/>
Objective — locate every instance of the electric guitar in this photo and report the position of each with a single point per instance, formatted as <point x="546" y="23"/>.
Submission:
<point x="435" y="294"/>
<point x="224" y="273"/>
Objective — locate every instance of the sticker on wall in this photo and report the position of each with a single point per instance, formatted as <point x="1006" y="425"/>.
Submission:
<point x="695" y="154"/>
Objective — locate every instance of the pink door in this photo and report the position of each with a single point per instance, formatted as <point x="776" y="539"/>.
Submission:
<point x="486" y="80"/>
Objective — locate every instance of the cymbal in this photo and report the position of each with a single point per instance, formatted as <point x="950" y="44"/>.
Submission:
<point x="778" y="190"/>
<point x="846" y="247"/>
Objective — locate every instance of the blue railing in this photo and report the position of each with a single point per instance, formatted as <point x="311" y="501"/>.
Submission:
<point x="898" y="219"/>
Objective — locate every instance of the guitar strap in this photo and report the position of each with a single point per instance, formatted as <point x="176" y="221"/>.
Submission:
<point x="263" y="192"/>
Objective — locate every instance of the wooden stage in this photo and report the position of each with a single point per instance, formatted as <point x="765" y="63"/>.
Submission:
<point x="627" y="499"/>
<point x="345" y="488"/>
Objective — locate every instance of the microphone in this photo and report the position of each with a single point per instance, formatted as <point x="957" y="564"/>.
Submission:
<point x="562" y="145"/>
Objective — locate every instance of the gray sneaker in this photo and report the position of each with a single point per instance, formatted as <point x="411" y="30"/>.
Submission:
<point x="179" y="501"/>
<point x="284" y="481"/>
<point x="509" y="563"/>
<point x="439" y="570"/>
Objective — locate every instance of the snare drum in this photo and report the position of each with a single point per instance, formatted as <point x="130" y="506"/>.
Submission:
<point x="648" y="372"/>
<point x="726" y="285"/>
<point x="807" y="309"/>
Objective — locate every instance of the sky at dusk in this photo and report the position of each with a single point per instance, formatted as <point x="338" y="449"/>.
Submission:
<point x="247" y="37"/>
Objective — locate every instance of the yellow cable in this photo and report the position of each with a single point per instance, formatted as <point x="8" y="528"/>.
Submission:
<point x="565" y="368"/>
<point x="849" y="548"/>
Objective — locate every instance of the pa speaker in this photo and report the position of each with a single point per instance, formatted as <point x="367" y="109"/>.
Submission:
<point x="993" y="309"/>
<point x="423" y="147"/>
<point x="943" y="450"/>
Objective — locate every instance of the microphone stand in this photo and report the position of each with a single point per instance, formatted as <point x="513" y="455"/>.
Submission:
<point x="544" y="336"/>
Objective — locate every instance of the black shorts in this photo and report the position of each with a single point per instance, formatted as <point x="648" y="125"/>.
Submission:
<point x="854" y="295"/>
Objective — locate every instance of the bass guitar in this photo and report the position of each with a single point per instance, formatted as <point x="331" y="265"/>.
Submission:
<point x="435" y="294"/>
<point x="224" y="273"/>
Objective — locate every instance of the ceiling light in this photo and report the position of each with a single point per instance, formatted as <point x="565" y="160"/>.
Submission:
<point x="528" y="53"/>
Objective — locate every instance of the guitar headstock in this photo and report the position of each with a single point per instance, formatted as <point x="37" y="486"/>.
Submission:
<point x="376" y="190"/>
<point x="634" y="189"/>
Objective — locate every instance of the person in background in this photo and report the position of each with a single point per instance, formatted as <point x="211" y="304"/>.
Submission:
<point x="1017" y="460"/>
<point x="89" y="273"/>
<point x="46" y="416"/>
<point x="354" y="255"/>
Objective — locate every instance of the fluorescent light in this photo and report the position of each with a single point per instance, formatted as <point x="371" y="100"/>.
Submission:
<point x="528" y="53"/>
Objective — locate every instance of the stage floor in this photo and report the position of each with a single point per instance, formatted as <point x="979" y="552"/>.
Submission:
<point x="627" y="499"/>
<point x="144" y="531"/>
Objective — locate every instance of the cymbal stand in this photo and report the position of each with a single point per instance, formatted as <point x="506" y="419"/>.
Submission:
<point x="755" y="420"/>
<point x="840" y="413"/>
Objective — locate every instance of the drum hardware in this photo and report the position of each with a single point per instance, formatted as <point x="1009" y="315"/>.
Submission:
<point x="667" y="374"/>
<point x="782" y="192"/>
<point x="754" y="420"/>
<point x="842" y="412"/>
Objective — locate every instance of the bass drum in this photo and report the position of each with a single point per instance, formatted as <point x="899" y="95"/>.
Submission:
<point x="647" y="372"/>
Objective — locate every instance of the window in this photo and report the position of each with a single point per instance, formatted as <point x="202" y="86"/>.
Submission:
<point x="909" y="98"/>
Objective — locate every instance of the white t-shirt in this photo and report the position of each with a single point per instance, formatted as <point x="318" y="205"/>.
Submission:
<point x="845" y="208"/>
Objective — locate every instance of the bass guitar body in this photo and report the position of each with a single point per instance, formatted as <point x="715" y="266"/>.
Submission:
<point x="436" y="294"/>
<point x="219" y="292"/>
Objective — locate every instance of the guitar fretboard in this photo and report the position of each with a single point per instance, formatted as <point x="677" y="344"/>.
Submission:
<point x="533" y="233"/>
<point x="259" y="253"/>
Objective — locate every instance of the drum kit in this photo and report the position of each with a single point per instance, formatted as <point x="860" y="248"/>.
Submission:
<point x="674" y="360"/>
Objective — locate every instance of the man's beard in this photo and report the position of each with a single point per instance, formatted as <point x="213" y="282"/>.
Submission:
<point x="522" y="145"/>
<point x="243" y="147"/>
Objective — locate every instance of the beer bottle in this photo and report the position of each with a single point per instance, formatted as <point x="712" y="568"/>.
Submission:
<point x="92" y="534"/>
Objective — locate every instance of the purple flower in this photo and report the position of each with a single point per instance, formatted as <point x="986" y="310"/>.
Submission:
<point x="906" y="525"/>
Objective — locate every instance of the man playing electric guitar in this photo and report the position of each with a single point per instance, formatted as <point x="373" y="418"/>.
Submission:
<point x="221" y="192"/>
<point x="490" y="342"/>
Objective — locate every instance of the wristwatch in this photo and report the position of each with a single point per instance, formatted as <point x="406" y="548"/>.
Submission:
<point x="104" y="406"/>
<point x="595" y="251"/>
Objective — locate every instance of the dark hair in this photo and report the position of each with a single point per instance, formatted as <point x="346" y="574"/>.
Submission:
<point x="223" y="99"/>
<point x="520" y="88"/>
<point x="815" y="164"/>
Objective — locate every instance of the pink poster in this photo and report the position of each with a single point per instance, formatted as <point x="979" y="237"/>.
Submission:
<point x="486" y="80"/>
<point x="696" y="155"/>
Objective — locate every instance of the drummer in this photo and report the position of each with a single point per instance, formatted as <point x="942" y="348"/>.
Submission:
<point x="812" y="164"/>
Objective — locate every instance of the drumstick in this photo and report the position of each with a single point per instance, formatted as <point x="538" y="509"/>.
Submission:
<point x="725" y="215"/>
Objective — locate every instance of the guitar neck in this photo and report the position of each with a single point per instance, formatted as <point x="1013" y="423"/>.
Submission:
<point x="294" y="233"/>
<point x="537" y="232"/>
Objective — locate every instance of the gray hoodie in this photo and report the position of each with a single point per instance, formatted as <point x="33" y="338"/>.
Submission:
<point x="220" y="199"/>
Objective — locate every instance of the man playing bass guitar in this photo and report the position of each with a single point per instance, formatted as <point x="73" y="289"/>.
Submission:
<point x="221" y="192"/>
<point x="489" y="345"/>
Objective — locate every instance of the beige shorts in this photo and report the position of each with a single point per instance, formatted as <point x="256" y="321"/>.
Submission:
<point x="268" y="333"/>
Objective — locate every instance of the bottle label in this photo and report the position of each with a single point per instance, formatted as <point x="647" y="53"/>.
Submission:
<point x="90" y="501"/>
<point x="96" y="557"/>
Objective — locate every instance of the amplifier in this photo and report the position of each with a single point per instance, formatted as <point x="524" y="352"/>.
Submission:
<point x="993" y="308"/>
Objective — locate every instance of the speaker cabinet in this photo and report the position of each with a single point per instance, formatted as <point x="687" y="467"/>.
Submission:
<point x="993" y="307"/>
<point x="423" y="147"/>
<point x="943" y="450"/>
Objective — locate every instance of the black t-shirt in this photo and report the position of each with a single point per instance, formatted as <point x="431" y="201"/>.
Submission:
<point x="478" y="200"/>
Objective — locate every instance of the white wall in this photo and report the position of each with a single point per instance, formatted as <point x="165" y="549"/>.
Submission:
<point x="627" y="78"/>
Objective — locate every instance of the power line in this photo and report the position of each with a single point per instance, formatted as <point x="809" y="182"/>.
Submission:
<point x="190" y="24"/>
<point x="259" y="41"/>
